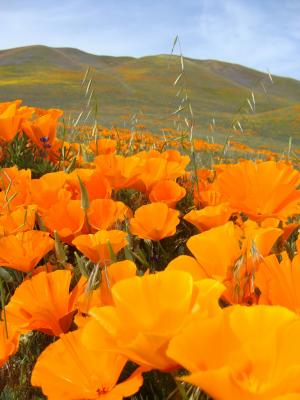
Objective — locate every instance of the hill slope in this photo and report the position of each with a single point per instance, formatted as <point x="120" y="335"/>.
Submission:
<point x="50" y="77"/>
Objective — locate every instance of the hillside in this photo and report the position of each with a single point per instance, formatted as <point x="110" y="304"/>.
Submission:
<point x="125" y="86"/>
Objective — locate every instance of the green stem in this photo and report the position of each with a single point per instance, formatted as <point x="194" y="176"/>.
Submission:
<point x="3" y="307"/>
<point x="164" y="253"/>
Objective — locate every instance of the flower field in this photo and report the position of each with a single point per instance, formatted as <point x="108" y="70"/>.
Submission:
<point x="145" y="267"/>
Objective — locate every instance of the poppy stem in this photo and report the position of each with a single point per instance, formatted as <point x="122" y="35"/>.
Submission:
<point x="3" y="307"/>
<point x="89" y="228"/>
<point x="181" y="390"/>
<point x="163" y="251"/>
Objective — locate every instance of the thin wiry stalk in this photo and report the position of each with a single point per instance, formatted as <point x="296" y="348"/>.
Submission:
<point x="89" y="109"/>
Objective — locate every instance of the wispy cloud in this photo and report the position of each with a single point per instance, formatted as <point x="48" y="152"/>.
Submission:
<point x="259" y="33"/>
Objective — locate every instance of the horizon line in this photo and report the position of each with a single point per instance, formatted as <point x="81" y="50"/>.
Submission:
<point x="150" y="55"/>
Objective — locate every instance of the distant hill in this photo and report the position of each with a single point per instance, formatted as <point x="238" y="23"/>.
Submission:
<point x="126" y="86"/>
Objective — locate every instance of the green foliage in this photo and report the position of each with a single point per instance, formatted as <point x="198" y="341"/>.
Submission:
<point x="144" y="87"/>
<point x="24" y="154"/>
<point x="16" y="374"/>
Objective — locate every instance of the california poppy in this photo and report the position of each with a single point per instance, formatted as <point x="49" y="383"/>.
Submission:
<point x="121" y="172"/>
<point x="287" y="227"/>
<point x="24" y="250"/>
<point x="4" y="105"/>
<point x="210" y="216"/>
<point x="42" y="130"/>
<point x="153" y="170"/>
<point x="105" y="213"/>
<point x="66" y="217"/>
<point x="102" y="296"/>
<point x="103" y="146"/>
<point x="167" y="191"/>
<point x="10" y="121"/>
<point x="278" y="282"/>
<point x="142" y="329"/>
<point x="67" y="370"/>
<point x="95" y="183"/>
<point x="20" y="220"/>
<point x="9" y="341"/>
<point x="48" y="189"/>
<point x="261" y="189"/>
<point x="216" y="250"/>
<point x="176" y="162"/>
<point x="15" y="188"/>
<point x="154" y="221"/>
<point x="262" y="237"/>
<point x="43" y="303"/>
<point x="187" y="264"/>
<point x="230" y="255"/>
<point x="96" y="246"/>
<point x="240" y="363"/>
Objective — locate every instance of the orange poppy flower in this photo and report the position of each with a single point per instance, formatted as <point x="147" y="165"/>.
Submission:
<point x="24" y="250"/>
<point x="216" y="250"/>
<point x="4" y="105"/>
<point x="176" y="156"/>
<point x="103" y="146"/>
<point x="153" y="170"/>
<point x="187" y="264"/>
<point x="48" y="189"/>
<point x="9" y="341"/>
<point x="96" y="246"/>
<point x="228" y="254"/>
<point x="15" y="188"/>
<point x="210" y="197"/>
<point x="95" y="183"/>
<point x="168" y="192"/>
<point x="205" y="191"/>
<point x="66" y="217"/>
<point x="261" y="190"/>
<point x="20" y="220"/>
<point x="279" y="281"/>
<point x="54" y="112"/>
<point x="13" y="176"/>
<point x="102" y="295"/>
<point x="154" y="221"/>
<point x="43" y="303"/>
<point x="121" y="172"/>
<point x="25" y="113"/>
<point x="159" y="166"/>
<point x="209" y="217"/>
<point x="42" y="131"/>
<point x="263" y="237"/>
<point x="288" y="228"/>
<point x="10" y="120"/>
<point x="105" y="213"/>
<point x="48" y="267"/>
<point x="175" y="159"/>
<point x="142" y="329"/>
<point x="257" y="356"/>
<point x="67" y="370"/>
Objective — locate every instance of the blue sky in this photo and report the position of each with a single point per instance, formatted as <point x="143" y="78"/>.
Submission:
<point x="263" y="34"/>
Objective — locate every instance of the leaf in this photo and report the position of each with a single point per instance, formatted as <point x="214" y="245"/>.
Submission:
<point x="59" y="249"/>
<point x="5" y="275"/>
<point x="112" y="254"/>
<point x="81" y="265"/>
<point x="85" y="201"/>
